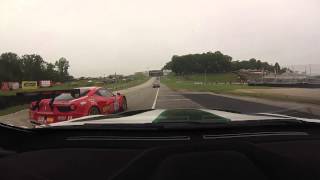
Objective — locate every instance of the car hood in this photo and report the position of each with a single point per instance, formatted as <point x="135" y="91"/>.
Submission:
<point x="176" y="115"/>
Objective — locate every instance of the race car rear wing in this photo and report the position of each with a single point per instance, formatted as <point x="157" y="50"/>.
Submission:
<point x="52" y="94"/>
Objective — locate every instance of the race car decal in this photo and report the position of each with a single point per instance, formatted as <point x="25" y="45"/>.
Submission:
<point x="105" y="108"/>
<point x="91" y="100"/>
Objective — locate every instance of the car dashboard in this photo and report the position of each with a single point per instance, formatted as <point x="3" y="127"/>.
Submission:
<point x="268" y="152"/>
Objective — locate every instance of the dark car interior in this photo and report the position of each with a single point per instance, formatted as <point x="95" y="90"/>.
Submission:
<point x="253" y="152"/>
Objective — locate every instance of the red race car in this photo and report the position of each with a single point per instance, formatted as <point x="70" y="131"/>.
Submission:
<point x="76" y="103"/>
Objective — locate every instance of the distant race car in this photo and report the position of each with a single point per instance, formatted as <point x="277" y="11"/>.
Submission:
<point x="76" y="103"/>
<point x="156" y="84"/>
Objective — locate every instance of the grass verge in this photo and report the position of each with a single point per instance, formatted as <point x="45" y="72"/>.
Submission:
<point x="211" y="78"/>
<point x="120" y="86"/>
<point x="219" y="84"/>
<point x="183" y="84"/>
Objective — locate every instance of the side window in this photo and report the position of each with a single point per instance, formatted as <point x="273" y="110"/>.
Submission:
<point x="104" y="93"/>
<point x="109" y="93"/>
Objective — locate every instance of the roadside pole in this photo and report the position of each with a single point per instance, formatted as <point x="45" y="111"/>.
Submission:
<point x="115" y="80"/>
<point x="205" y="77"/>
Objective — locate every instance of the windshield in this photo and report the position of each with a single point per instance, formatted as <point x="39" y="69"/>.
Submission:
<point x="161" y="62"/>
<point x="70" y="96"/>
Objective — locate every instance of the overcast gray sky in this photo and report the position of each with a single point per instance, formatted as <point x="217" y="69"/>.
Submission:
<point x="103" y="36"/>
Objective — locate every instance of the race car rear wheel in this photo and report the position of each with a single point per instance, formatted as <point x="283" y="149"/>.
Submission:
<point x="93" y="111"/>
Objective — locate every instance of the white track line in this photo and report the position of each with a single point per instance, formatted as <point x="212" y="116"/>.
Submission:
<point x="155" y="100"/>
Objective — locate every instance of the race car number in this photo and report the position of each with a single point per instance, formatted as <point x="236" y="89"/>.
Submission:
<point x="41" y="119"/>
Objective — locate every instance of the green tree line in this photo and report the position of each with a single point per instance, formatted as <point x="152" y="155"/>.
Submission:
<point x="216" y="62"/>
<point x="32" y="67"/>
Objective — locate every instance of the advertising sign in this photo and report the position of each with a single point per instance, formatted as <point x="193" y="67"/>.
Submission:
<point x="13" y="85"/>
<point x="45" y="83"/>
<point x="29" y="85"/>
<point x="155" y="73"/>
<point x="5" y="86"/>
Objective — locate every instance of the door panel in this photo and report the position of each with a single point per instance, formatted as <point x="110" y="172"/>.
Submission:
<point x="116" y="104"/>
<point x="102" y="103"/>
<point x="107" y="101"/>
<point x="110" y="105"/>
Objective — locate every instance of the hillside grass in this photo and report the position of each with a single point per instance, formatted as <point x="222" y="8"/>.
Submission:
<point x="211" y="78"/>
<point x="126" y="85"/>
<point x="217" y="83"/>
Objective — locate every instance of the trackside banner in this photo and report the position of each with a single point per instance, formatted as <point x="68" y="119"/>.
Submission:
<point x="29" y="85"/>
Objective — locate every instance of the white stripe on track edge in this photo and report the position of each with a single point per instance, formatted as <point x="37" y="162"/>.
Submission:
<point x="155" y="100"/>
